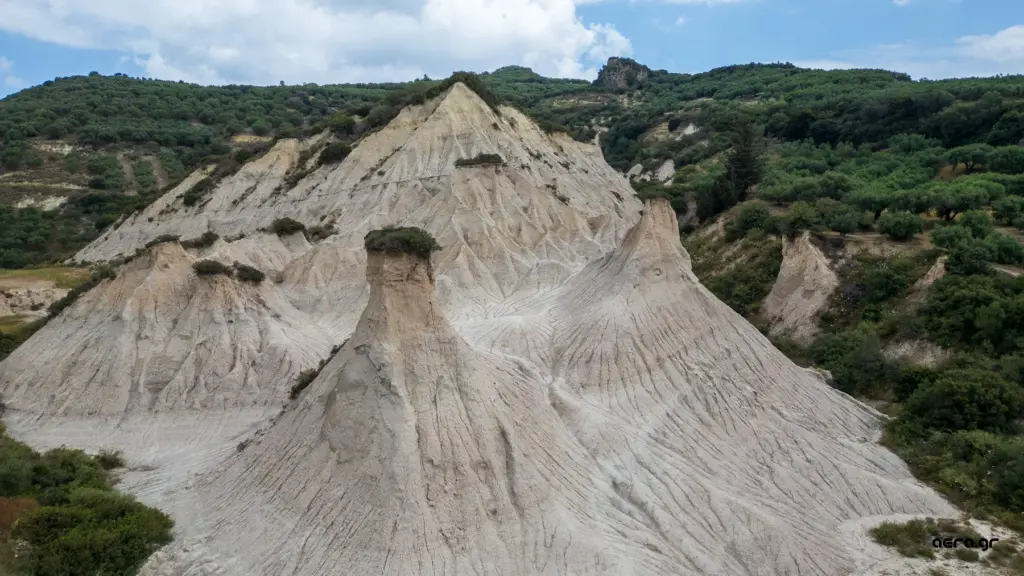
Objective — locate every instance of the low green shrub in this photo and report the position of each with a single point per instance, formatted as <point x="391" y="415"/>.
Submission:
<point x="162" y="239"/>
<point x="247" y="273"/>
<point x="286" y="226"/>
<point x="318" y="233"/>
<point x="334" y="152"/>
<point x="205" y="241"/>
<point x="479" y="160"/>
<point x="401" y="240"/>
<point x="900" y="225"/>
<point x="83" y="527"/>
<point x="752" y="215"/>
<point x="110" y="459"/>
<point x="302" y="381"/>
<point x="210" y="268"/>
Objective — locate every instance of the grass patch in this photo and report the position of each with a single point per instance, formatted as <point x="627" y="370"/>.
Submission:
<point x="14" y="322"/>
<point x="913" y="539"/>
<point x="61" y="276"/>
<point x="96" y="277"/>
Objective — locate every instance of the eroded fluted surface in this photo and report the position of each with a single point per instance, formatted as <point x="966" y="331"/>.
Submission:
<point x="553" y="393"/>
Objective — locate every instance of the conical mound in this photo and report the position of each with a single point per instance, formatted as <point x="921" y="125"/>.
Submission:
<point x="712" y="429"/>
<point x="169" y="367"/>
<point x="414" y="450"/>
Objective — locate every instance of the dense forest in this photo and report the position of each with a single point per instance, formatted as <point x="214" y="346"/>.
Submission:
<point x="936" y="167"/>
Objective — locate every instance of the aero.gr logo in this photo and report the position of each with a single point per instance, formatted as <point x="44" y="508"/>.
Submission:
<point x="983" y="543"/>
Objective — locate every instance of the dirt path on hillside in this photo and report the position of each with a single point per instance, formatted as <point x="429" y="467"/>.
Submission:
<point x="158" y="171"/>
<point x="130" y="187"/>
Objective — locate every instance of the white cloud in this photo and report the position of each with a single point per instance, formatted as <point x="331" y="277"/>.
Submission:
<point x="264" y="41"/>
<point x="680" y="21"/>
<point x="977" y="55"/>
<point x="901" y="2"/>
<point x="7" y="77"/>
<point x="1004" y="46"/>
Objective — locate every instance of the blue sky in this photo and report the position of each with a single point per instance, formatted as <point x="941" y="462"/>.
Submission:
<point x="264" y="41"/>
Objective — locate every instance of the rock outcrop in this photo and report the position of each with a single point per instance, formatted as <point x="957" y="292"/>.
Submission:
<point x="801" y="291"/>
<point x="622" y="73"/>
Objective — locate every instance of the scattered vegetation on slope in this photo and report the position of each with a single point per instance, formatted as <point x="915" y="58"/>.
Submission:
<point x="410" y="240"/>
<point x="239" y="271"/>
<point x="205" y="240"/>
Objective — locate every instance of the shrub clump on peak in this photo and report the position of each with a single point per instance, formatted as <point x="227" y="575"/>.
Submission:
<point x="402" y="241"/>
<point x="287" y="226"/>
<point x="479" y="160"/>
<point x="210" y="268"/>
<point x="204" y="241"/>
<point x="334" y="152"/>
<point x="247" y="273"/>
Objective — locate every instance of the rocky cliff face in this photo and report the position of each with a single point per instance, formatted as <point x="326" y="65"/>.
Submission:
<point x="622" y="74"/>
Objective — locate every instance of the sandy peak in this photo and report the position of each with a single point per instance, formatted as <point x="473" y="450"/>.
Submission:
<point x="655" y="237"/>
<point x="402" y="297"/>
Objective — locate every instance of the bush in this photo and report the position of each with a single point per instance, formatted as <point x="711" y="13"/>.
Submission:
<point x="801" y="216"/>
<point x="304" y="379"/>
<point x="744" y="287"/>
<point x="950" y="237"/>
<point x="900" y="225"/>
<point x="97" y="532"/>
<point x="855" y="360"/>
<point x="205" y="241"/>
<point x="753" y="215"/>
<point x="247" y="273"/>
<point x="966" y="400"/>
<point x="480" y="159"/>
<point x="83" y="527"/>
<point x="163" y="238"/>
<point x="909" y="378"/>
<point x="210" y="268"/>
<point x="317" y="233"/>
<point x="911" y="539"/>
<point x="333" y="153"/>
<point x="977" y="221"/>
<point x="969" y="259"/>
<point x="109" y="459"/>
<point x="1009" y="210"/>
<point x="401" y="240"/>
<point x="1005" y="249"/>
<point x="286" y="226"/>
